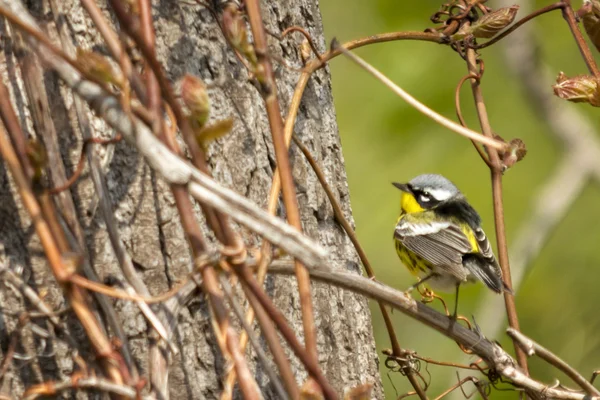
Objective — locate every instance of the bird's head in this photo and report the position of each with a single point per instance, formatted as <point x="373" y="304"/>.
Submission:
<point x="426" y="192"/>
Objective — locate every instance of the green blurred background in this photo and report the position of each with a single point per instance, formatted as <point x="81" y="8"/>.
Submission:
<point x="385" y="140"/>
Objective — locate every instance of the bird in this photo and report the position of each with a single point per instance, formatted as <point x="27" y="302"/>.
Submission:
<point x="439" y="238"/>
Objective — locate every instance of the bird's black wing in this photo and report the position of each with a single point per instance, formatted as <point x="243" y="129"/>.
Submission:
<point x="483" y="265"/>
<point x="442" y="243"/>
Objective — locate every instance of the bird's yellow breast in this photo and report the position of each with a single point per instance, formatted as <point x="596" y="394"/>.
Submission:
<point x="409" y="204"/>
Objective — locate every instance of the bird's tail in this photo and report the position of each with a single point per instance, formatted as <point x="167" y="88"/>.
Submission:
<point x="488" y="273"/>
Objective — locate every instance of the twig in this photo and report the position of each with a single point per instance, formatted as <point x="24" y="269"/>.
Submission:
<point x="11" y="122"/>
<point x="378" y="38"/>
<point x="496" y="172"/>
<point x="339" y="215"/>
<point x="459" y="384"/>
<point x="114" y="46"/>
<point x="586" y="53"/>
<point x="578" y="164"/>
<point x="519" y="23"/>
<point x="533" y="348"/>
<point x="488" y="141"/>
<point x="217" y="222"/>
<point x="12" y="346"/>
<point x="262" y="357"/>
<point x="76" y="297"/>
<point x="271" y="337"/>
<point x="93" y="383"/>
<point x="279" y="319"/>
<point x="265" y="249"/>
<point x="491" y="352"/>
<point x="170" y="166"/>
<point x="306" y="35"/>
<point x="97" y="175"/>
<point x="159" y="370"/>
<point x="269" y="93"/>
<point x="481" y="153"/>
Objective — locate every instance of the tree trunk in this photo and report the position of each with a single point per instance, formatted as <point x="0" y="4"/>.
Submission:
<point x="188" y="41"/>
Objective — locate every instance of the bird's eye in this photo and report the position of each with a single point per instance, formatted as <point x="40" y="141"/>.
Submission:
<point x="424" y="197"/>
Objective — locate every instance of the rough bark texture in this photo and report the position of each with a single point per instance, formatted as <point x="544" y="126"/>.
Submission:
<point x="188" y="41"/>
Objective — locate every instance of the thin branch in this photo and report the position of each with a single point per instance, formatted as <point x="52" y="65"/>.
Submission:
<point x="76" y="296"/>
<point x="586" y="53"/>
<point x="159" y="369"/>
<point x="491" y="352"/>
<point x="114" y="46"/>
<point x="533" y="348"/>
<point x="378" y="38"/>
<point x="265" y="249"/>
<point x="217" y="222"/>
<point x="279" y="319"/>
<point x="11" y="122"/>
<point x="262" y="357"/>
<point x="519" y="23"/>
<point x="453" y="126"/>
<point x="96" y="173"/>
<point x="77" y="382"/>
<point x="481" y="153"/>
<point x="339" y="215"/>
<point x="269" y="93"/>
<point x="172" y="168"/>
<point x="496" y="172"/>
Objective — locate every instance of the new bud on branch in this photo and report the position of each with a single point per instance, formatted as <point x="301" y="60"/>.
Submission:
<point x="490" y="24"/>
<point x="590" y="15"/>
<point x="579" y="89"/>
<point x="195" y="97"/>
<point x="234" y="27"/>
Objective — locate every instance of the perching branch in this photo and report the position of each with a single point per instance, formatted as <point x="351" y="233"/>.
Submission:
<point x="491" y="352"/>
<point x="532" y="348"/>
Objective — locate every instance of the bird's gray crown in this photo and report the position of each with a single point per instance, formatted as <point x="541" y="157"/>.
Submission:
<point x="436" y="185"/>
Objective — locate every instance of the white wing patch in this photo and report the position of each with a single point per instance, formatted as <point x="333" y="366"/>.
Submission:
<point x="405" y="228"/>
<point x="441" y="243"/>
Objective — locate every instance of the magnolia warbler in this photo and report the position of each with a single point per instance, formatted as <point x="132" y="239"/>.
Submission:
<point x="438" y="237"/>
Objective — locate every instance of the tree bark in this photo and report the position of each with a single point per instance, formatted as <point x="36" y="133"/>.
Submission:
<point x="188" y="40"/>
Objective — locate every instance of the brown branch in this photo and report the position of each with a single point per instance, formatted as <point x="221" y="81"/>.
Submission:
<point x="269" y="94"/>
<point x="265" y="257"/>
<point x="217" y="222"/>
<point x="209" y="281"/>
<point x="580" y="163"/>
<point x="481" y="153"/>
<point x="159" y="368"/>
<point x="519" y="23"/>
<point x="254" y="289"/>
<point x="341" y="219"/>
<point x="114" y="46"/>
<point x="378" y="38"/>
<point x="483" y="139"/>
<point x="77" y="297"/>
<point x="460" y="383"/>
<point x="262" y="357"/>
<point x="490" y="351"/>
<point x="586" y="53"/>
<point x="303" y="31"/>
<point x="102" y="190"/>
<point x="11" y="122"/>
<point x="78" y="382"/>
<point x="533" y="348"/>
<point x="496" y="172"/>
<point x="276" y="348"/>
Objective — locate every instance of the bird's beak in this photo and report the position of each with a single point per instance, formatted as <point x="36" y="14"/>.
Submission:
<point x="402" y="186"/>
